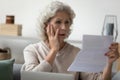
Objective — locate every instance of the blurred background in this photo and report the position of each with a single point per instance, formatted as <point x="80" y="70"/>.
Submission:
<point x="89" y="19"/>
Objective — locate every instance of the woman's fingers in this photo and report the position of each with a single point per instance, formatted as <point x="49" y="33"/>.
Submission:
<point x="53" y="37"/>
<point x="48" y="30"/>
<point x="113" y="54"/>
<point x="51" y="30"/>
<point x="113" y="46"/>
<point x="56" y="34"/>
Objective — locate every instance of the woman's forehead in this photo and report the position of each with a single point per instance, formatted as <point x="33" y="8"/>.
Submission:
<point x="62" y="15"/>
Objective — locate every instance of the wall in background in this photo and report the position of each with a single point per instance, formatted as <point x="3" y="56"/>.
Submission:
<point x="89" y="19"/>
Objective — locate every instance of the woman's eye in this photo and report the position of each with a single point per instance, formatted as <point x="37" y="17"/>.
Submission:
<point x="58" y="22"/>
<point x="67" y="22"/>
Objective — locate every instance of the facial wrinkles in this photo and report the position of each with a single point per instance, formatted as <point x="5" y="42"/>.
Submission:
<point x="62" y="22"/>
<point x="61" y="18"/>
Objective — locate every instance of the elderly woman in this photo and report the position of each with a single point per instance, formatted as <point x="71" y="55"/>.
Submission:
<point x="53" y="54"/>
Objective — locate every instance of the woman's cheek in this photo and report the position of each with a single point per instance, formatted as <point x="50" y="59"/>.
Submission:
<point x="55" y="28"/>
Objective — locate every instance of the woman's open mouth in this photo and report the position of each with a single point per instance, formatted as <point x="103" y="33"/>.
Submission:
<point x="62" y="35"/>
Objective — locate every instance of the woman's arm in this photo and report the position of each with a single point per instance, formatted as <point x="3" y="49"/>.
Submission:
<point x="107" y="72"/>
<point x="112" y="55"/>
<point x="53" y="43"/>
<point x="32" y="62"/>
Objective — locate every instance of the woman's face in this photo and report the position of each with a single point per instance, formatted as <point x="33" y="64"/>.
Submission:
<point x="62" y="22"/>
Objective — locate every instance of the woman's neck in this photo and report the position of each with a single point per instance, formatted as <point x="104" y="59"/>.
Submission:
<point x="62" y="44"/>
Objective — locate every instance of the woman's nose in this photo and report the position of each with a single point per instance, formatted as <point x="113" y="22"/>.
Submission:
<point x="63" y="26"/>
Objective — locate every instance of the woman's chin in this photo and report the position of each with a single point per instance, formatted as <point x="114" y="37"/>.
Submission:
<point x="62" y="38"/>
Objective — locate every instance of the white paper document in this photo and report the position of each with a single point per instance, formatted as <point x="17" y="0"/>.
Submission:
<point x="92" y="56"/>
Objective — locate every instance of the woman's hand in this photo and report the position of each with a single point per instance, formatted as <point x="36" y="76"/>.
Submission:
<point x="53" y="43"/>
<point x="53" y="38"/>
<point x="113" y="53"/>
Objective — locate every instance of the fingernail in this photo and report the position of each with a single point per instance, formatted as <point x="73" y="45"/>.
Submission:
<point x="105" y="54"/>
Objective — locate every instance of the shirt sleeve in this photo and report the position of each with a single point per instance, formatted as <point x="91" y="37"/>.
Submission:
<point x="32" y="63"/>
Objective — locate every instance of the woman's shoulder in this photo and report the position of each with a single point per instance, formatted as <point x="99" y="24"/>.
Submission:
<point x="34" y="45"/>
<point x="73" y="47"/>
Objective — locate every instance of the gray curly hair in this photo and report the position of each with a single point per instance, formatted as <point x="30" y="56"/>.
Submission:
<point x="48" y="13"/>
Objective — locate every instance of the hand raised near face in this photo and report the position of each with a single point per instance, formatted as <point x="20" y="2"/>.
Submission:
<point x="53" y="38"/>
<point x="113" y="53"/>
